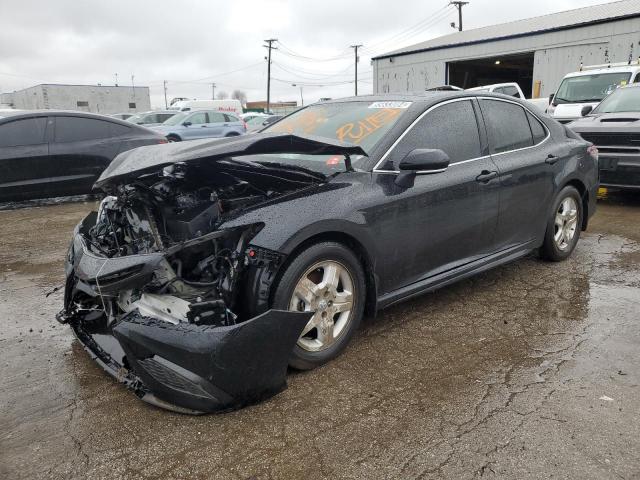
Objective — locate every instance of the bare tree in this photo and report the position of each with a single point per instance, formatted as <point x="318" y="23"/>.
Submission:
<point x="239" y="95"/>
<point x="222" y="95"/>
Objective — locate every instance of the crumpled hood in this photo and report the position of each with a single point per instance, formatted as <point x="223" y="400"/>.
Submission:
<point x="132" y="164"/>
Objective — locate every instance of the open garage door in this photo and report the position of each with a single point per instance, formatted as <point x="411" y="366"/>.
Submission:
<point x="487" y="71"/>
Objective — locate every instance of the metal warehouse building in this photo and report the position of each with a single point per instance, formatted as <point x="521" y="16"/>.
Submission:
<point x="537" y="52"/>
<point x="86" y="98"/>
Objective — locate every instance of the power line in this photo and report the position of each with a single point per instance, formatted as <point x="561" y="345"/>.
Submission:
<point x="316" y="77"/>
<point x="413" y="30"/>
<point x="292" y="53"/>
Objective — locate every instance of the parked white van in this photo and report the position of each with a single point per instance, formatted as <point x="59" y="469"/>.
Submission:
<point x="588" y="87"/>
<point x="227" y="106"/>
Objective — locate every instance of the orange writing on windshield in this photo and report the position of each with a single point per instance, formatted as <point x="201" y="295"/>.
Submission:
<point x="307" y="122"/>
<point x="355" y="132"/>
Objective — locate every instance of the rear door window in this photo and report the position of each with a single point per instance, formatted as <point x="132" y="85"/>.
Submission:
<point x="199" y="118"/>
<point x="507" y="126"/>
<point x="537" y="129"/>
<point x="23" y="132"/>
<point x="230" y="118"/>
<point x="78" y="129"/>
<point x="216" y="117"/>
<point x="451" y="127"/>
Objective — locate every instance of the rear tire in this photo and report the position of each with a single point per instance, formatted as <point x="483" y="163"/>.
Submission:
<point x="564" y="226"/>
<point x="173" y="138"/>
<point x="327" y="279"/>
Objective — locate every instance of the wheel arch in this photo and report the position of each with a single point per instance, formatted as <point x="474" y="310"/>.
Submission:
<point x="584" y="195"/>
<point x="353" y="244"/>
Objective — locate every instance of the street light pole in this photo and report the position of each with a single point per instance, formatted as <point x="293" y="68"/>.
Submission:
<point x="166" y="106"/>
<point x="301" y="96"/>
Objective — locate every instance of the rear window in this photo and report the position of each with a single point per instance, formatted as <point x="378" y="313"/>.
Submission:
<point x="360" y="123"/>
<point x="27" y="131"/>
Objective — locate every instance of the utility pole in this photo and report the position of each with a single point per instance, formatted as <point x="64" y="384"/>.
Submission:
<point x="166" y="105"/>
<point x="270" y="47"/>
<point x="459" y="6"/>
<point x="116" y="79"/>
<point x="213" y="91"/>
<point x="133" y="88"/>
<point x="357" y="59"/>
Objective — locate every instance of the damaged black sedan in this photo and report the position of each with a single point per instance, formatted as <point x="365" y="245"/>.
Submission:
<point x="210" y="267"/>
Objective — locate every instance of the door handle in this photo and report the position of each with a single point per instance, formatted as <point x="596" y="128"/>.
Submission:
<point x="486" y="176"/>
<point x="552" y="159"/>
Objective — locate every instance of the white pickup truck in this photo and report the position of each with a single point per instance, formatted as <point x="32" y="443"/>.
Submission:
<point x="513" y="90"/>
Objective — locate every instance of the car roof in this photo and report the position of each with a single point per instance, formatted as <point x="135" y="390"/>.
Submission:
<point x="419" y="98"/>
<point x="600" y="71"/>
<point x="61" y="113"/>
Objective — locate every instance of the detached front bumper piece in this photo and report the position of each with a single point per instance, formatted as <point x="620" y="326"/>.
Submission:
<point x="195" y="369"/>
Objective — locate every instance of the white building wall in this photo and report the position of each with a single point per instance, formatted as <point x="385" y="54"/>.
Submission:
<point x="100" y="99"/>
<point x="556" y="54"/>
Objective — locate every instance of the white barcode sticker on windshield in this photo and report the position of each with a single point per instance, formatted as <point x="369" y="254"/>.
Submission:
<point x="390" y="105"/>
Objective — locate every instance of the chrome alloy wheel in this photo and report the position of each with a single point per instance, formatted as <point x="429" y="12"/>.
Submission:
<point x="566" y="223"/>
<point x="327" y="290"/>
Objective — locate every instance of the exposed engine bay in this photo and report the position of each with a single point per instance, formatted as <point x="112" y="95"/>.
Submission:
<point x="178" y="214"/>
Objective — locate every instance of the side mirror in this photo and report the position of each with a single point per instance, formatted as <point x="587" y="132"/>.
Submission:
<point x="551" y="97"/>
<point x="265" y="123"/>
<point x="421" y="161"/>
<point x="186" y="124"/>
<point x="586" y="110"/>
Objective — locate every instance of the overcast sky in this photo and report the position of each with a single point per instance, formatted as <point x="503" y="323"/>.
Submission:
<point x="193" y="43"/>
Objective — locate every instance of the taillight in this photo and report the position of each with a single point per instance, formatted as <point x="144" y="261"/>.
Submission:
<point x="593" y="151"/>
<point x="244" y="124"/>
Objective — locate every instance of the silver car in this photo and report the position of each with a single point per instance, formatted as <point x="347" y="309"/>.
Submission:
<point x="201" y="124"/>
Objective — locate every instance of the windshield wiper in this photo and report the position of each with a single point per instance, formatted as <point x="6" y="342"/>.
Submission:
<point x="295" y="168"/>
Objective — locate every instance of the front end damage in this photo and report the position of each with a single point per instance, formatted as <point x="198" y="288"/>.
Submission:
<point x="155" y="291"/>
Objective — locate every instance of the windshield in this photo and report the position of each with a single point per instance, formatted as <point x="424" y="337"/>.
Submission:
<point x="360" y="123"/>
<point x="176" y="119"/>
<point x="622" y="100"/>
<point x="590" y="88"/>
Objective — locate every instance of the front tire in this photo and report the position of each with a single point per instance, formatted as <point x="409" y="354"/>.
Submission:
<point x="327" y="279"/>
<point x="564" y="226"/>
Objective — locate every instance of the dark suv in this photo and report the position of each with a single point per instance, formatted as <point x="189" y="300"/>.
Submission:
<point x="49" y="153"/>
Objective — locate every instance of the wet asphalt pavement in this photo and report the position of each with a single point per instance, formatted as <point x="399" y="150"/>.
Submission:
<point x="529" y="371"/>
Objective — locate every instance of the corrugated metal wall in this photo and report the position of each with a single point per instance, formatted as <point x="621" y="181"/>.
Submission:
<point x="556" y="54"/>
